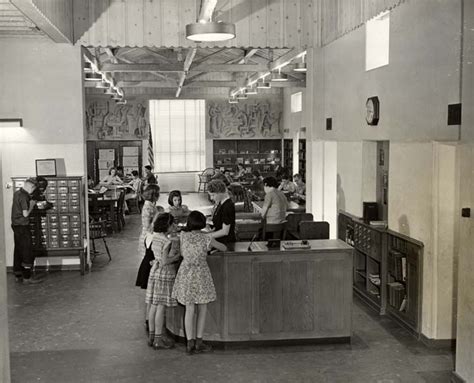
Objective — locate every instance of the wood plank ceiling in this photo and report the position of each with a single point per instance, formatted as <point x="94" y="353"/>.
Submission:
<point x="14" y="23"/>
<point x="165" y="72"/>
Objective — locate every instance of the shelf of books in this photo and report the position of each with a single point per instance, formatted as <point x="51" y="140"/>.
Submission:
<point x="302" y="158"/>
<point x="387" y="269"/>
<point x="368" y="274"/>
<point x="288" y="154"/>
<point x="404" y="279"/>
<point x="261" y="155"/>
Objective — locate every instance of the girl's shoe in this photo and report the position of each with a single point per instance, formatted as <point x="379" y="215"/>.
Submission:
<point x="169" y="341"/>
<point x="160" y="344"/>
<point x="190" y="347"/>
<point x="202" y="347"/>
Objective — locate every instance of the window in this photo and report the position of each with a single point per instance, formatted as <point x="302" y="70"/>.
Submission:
<point x="377" y="35"/>
<point x="178" y="128"/>
<point x="296" y="102"/>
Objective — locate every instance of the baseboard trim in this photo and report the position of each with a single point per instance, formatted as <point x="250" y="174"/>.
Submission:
<point x="448" y="344"/>
<point x="455" y="378"/>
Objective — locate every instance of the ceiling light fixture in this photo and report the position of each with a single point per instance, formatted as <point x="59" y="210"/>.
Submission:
<point x="263" y="84"/>
<point x="278" y="76"/>
<point x="251" y="89"/>
<point x="210" y="31"/>
<point x="300" y="67"/>
<point x="102" y="85"/>
<point x="93" y="77"/>
<point x="241" y="96"/>
<point x="233" y="100"/>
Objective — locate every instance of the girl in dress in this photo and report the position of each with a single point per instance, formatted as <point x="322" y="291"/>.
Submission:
<point x="193" y="284"/>
<point x="149" y="211"/>
<point x="161" y="280"/>
<point x="177" y="209"/>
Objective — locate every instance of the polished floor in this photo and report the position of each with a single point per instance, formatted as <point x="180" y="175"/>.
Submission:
<point x="74" y="328"/>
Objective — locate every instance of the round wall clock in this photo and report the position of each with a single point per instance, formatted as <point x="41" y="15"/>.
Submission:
<point x="372" y="106"/>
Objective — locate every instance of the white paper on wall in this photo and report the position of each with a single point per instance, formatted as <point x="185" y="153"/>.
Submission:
<point x="107" y="154"/>
<point x="105" y="164"/>
<point x="130" y="161"/>
<point x="130" y="151"/>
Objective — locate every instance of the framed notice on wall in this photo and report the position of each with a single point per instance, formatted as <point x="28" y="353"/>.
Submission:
<point x="46" y="168"/>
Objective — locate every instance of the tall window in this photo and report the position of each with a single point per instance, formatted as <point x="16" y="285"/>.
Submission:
<point x="377" y="39"/>
<point x="178" y="128"/>
<point x="296" y="102"/>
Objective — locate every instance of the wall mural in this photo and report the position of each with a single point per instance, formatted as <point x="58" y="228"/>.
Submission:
<point x="257" y="118"/>
<point x="105" y="120"/>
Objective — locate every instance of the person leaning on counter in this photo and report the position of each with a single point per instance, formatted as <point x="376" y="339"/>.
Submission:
<point x="223" y="218"/>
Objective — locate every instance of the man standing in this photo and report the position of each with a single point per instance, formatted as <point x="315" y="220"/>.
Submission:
<point x="23" y="257"/>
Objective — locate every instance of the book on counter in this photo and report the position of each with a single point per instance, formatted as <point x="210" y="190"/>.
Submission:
<point x="292" y="245"/>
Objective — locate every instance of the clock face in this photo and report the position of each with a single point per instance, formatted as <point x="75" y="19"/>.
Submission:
<point x="372" y="110"/>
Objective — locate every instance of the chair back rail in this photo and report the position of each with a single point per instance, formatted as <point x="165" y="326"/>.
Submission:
<point x="313" y="230"/>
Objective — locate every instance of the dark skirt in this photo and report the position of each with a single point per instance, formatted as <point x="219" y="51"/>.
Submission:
<point x="144" y="269"/>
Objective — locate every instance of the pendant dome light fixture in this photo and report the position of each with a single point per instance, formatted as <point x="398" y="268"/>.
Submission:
<point x="278" y="76"/>
<point x="206" y="29"/>
<point x="301" y="67"/>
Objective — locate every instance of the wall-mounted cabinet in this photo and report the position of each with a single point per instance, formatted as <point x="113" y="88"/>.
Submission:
<point x="262" y="155"/>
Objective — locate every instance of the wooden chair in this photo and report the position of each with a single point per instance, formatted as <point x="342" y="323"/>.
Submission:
<point x="313" y="230"/>
<point x="247" y="228"/>
<point x="204" y="179"/>
<point x="293" y="222"/>
<point x="119" y="214"/>
<point x="97" y="231"/>
<point x="278" y="230"/>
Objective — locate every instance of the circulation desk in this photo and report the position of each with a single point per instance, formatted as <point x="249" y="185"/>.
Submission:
<point x="276" y="294"/>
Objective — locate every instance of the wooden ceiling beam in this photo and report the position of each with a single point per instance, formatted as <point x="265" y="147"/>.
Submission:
<point x="172" y="68"/>
<point x="32" y="12"/>
<point x="194" y="84"/>
<point x="247" y="55"/>
<point x="187" y="64"/>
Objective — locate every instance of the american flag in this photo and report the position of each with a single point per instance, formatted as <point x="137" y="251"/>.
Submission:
<point x="151" y="155"/>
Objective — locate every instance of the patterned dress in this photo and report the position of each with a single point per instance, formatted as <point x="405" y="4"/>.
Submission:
<point x="162" y="275"/>
<point x="148" y="213"/>
<point x="194" y="282"/>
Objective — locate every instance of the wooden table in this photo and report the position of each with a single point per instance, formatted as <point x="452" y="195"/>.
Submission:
<point x="293" y="207"/>
<point x="267" y="295"/>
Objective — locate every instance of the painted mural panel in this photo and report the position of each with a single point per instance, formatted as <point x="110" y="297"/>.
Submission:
<point x="106" y="120"/>
<point x="251" y="118"/>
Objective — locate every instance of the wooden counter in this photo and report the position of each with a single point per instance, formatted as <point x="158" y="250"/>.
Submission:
<point x="276" y="294"/>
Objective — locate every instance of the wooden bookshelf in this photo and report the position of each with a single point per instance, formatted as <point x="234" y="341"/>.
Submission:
<point x="302" y="158"/>
<point x="387" y="269"/>
<point x="262" y="155"/>
<point x="404" y="271"/>
<point x="288" y="154"/>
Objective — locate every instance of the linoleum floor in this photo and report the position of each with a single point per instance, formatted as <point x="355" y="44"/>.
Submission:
<point x="74" y="328"/>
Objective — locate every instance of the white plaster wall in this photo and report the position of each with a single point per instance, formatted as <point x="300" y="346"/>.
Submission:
<point x="410" y="210"/>
<point x="350" y="180"/>
<point x="421" y="79"/>
<point x="41" y="83"/>
<point x="465" y="322"/>
<point x="444" y="237"/>
<point x="369" y="171"/>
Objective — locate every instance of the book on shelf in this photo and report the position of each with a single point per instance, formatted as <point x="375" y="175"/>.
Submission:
<point x="262" y="160"/>
<point x="255" y="161"/>
<point x="247" y="161"/>
<point x="240" y="160"/>
<point x="403" y="305"/>
<point x="404" y="268"/>
<point x="222" y="151"/>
